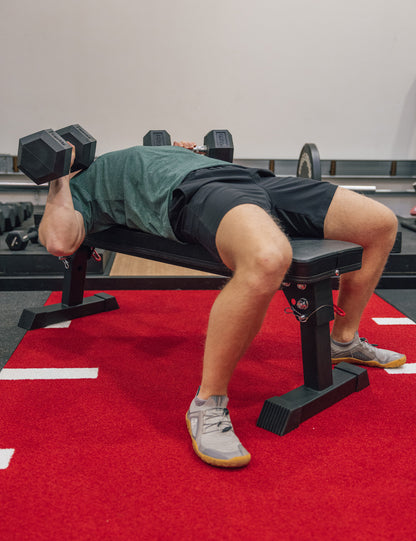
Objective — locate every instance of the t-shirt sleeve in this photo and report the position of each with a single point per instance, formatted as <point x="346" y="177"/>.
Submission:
<point x="86" y="214"/>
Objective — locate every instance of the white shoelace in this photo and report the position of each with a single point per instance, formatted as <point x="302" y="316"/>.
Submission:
<point x="214" y="418"/>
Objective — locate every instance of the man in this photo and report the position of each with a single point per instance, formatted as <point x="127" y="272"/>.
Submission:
<point x="243" y="217"/>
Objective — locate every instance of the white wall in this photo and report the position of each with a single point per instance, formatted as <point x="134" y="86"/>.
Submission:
<point x="277" y="73"/>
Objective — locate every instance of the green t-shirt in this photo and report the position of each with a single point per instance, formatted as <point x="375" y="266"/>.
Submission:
<point x="133" y="187"/>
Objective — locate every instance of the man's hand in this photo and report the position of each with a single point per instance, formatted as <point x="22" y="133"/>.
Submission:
<point x="190" y="146"/>
<point x="72" y="154"/>
<point x="185" y="144"/>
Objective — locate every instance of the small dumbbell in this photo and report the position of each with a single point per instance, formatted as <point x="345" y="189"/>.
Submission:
<point x="28" y="209"/>
<point x="14" y="214"/>
<point x="18" y="240"/>
<point x="11" y="220"/>
<point x="19" y="209"/>
<point x="2" y="222"/>
<point x="46" y="155"/>
<point x="218" y="144"/>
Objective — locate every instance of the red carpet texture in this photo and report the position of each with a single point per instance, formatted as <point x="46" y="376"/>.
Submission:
<point x="107" y="456"/>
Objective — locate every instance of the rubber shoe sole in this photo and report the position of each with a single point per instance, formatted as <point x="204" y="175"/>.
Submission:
<point x="235" y="462"/>
<point x="392" y="364"/>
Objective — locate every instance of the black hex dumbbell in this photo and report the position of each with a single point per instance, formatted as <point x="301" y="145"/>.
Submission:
<point x="14" y="214"/>
<point x="157" y="138"/>
<point x="18" y="240"/>
<point x="28" y="209"/>
<point x="218" y="144"/>
<point x="11" y="219"/>
<point x="20" y="213"/>
<point x="2" y="222"/>
<point x="46" y="155"/>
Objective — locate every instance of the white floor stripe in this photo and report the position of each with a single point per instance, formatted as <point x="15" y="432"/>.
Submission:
<point x="5" y="457"/>
<point x="393" y="321"/>
<point x="62" y="325"/>
<point x="409" y="368"/>
<point x="48" y="373"/>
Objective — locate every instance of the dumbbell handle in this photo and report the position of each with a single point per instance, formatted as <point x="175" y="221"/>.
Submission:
<point x="196" y="148"/>
<point x="200" y="148"/>
<point x="30" y="235"/>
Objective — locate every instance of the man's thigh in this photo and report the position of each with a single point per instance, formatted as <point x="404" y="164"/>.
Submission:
<point x="356" y="218"/>
<point x="249" y="237"/>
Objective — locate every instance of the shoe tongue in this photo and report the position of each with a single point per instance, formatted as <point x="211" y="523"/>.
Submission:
<point x="219" y="401"/>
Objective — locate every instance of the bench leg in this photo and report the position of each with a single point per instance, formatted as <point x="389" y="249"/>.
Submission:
<point x="73" y="304"/>
<point x="323" y="386"/>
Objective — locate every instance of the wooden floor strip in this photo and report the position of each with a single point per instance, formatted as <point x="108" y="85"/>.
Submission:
<point x="126" y="265"/>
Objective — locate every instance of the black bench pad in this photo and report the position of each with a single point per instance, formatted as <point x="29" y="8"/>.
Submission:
<point x="313" y="259"/>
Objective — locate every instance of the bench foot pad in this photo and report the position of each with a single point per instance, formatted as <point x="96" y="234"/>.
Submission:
<point x="37" y="318"/>
<point x="281" y="414"/>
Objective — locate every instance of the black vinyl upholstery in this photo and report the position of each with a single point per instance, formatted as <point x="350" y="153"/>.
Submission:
<point x="313" y="259"/>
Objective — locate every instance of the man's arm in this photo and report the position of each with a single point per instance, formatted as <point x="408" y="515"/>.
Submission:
<point x="61" y="230"/>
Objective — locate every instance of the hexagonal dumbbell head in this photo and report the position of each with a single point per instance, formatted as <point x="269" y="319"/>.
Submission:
<point x="156" y="138"/>
<point x="219" y="145"/>
<point x="84" y="144"/>
<point x="44" y="156"/>
<point x="16" y="241"/>
<point x="2" y="222"/>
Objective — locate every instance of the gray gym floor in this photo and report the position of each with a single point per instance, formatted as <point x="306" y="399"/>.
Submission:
<point x="12" y="303"/>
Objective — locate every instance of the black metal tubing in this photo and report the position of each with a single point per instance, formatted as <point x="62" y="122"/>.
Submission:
<point x="74" y="276"/>
<point x="313" y="307"/>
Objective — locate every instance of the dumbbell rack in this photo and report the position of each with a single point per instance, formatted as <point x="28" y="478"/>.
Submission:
<point x="35" y="262"/>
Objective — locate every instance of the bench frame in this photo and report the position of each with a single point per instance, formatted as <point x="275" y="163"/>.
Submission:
<point x="307" y="286"/>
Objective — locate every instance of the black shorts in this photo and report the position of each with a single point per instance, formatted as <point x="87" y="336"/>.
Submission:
<point x="205" y="196"/>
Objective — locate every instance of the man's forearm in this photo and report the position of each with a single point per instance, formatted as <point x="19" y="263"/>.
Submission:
<point x="61" y="230"/>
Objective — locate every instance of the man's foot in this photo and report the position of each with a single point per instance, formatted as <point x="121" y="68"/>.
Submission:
<point x="359" y="351"/>
<point x="212" y="433"/>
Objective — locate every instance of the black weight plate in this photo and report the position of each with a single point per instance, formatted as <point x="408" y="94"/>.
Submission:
<point x="309" y="164"/>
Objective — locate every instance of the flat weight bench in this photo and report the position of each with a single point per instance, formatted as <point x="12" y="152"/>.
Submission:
<point x="307" y="286"/>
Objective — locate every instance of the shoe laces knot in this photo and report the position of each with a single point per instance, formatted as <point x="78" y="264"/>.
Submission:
<point x="365" y="342"/>
<point x="218" y="418"/>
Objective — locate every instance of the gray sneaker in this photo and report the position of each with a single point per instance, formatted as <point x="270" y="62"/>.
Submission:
<point x="361" y="352"/>
<point x="212" y="433"/>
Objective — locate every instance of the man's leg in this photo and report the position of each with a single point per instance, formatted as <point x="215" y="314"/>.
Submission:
<point x="355" y="218"/>
<point x="252" y="245"/>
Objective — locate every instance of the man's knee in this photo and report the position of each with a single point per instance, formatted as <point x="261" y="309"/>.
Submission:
<point x="382" y="227"/>
<point x="254" y="247"/>
<point x="264" y="268"/>
<point x="391" y="222"/>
